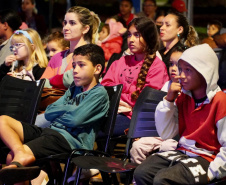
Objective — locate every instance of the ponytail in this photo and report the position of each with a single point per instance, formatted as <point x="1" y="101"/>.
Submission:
<point x="192" y="37"/>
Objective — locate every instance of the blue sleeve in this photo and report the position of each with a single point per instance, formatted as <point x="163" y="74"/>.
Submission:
<point x="93" y="107"/>
<point x="57" y="108"/>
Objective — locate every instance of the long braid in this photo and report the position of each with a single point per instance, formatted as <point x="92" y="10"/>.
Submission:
<point x="149" y="33"/>
<point x="148" y="60"/>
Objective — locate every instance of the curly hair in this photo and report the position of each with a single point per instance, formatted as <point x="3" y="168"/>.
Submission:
<point x="189" y="36"/>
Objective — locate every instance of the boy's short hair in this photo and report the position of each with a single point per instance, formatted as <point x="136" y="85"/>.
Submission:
<point x="94" y="53"/>
<point x="216" y="23"/>
<point x="11" y="17"/>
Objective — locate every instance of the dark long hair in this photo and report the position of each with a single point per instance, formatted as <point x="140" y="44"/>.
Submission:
<point x="147" y="29"/>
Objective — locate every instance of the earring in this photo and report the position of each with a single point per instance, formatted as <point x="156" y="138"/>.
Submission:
<point x="178" y="35"/>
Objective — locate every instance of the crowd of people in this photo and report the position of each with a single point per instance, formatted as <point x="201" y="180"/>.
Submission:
<point x="157" y="49"/>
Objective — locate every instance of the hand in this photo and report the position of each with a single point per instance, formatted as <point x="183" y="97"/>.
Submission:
<point x="9" y="60"/>
<point x="124" y="107"/>
<point x="11" y="74"/>
<point x="174" y="89"/>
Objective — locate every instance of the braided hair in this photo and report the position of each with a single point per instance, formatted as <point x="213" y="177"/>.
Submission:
<point x="148" y="31"/>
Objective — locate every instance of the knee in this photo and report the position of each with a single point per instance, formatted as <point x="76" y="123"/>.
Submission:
<point x="3" y="119"/>
<point x="139" y="175"/>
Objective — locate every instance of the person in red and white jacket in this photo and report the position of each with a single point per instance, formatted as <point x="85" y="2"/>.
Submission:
<point x="198" y="115"/>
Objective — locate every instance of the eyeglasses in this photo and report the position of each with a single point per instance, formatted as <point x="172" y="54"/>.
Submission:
<point x="16" y="46"/>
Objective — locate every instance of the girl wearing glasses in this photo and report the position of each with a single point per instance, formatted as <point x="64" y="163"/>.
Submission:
<point x="29" y="60"/>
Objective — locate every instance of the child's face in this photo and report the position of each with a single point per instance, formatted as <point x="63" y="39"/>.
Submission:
<point x="135" y="41"/>
<point x="19" y="50"/>
<point x="211" y="30"/>
<point x="27" y="6"/>
<point x="72" y="28"/>
<point x="125" y="8"/>
<point x="190" y="78"/>
<point x="84" y="72"/>
<point x="103" y="34"/>
<point x="173" y="65"/>
<point x="53" y="48"/>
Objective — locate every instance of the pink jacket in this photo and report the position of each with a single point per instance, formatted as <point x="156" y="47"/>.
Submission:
<point x="55" y="64"/>
<point x="125" y="71"/>
<point x="113" y="42"/>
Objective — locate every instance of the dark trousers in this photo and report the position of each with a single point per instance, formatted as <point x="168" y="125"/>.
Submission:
<point x="172" y="169"/>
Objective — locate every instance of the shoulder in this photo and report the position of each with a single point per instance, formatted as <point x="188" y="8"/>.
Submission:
<point x="57" y="59"/>
<point x="99" y="90"/>
<point x="220" y="97"/>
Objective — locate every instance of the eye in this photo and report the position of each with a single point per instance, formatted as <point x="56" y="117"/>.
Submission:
<point x="53" y="50"/>
<point x="64" y="23"/>
<point x="187" y="69"/>
<point x="73" y="65"/>
<point x="171" y="64"/>
<point x="137" y="34"/>
<point x="129" y="34"/>
<point x="81" y="65"/>
<point x="72" y="23"/>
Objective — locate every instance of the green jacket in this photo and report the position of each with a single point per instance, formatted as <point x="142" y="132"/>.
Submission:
<point x="78" y="115"/>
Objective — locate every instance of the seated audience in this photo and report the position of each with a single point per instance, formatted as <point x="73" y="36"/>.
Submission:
<point x="75" y="118"/>
<point x="29" y="60"/>
<point x="175" y="31"/>
<point x="149" y="9"/>
<point x="110" y="38"/>
<point x="198" y="115"/>
<point x="136" y="71"/>
<point x="84" y="32"/>
<point x="213" y="28"/>
<point x="30" y="16"/>
<point x="125" y="15"/>
<point x="55" y="43"/>
<point x="9" y="22"/>
<point x="144" y="146"/>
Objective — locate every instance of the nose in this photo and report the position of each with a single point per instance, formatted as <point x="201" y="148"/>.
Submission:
<point x="51" y="53"/>
<point x="75" y="70"/>
<point x="131" y="39"/>
<point x="182" y="74"/>
<point x="161" y="27"/>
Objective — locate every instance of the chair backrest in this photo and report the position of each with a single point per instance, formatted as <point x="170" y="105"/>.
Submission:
<point x="20" y="98"/>
<point x="143" y="118"/>
<point x="114" y="93"/>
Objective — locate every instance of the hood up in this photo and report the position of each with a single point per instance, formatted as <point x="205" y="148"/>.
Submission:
<point x="205" y="61"/>
<point x="115" y="30"/>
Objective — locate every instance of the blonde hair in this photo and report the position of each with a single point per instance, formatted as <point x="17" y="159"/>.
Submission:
<point x="36" y="51"/>
<point x="87" y="17"/>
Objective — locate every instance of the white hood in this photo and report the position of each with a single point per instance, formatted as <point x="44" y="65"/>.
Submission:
<point x="205" y="61"/>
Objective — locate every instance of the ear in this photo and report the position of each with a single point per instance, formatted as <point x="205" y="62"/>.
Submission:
<point x="33" y="46"/>
<point x="85" y="29"/>
<point x="98" y="69"/>
<point x="180" y="29"/>
<point x="5" y="26"/>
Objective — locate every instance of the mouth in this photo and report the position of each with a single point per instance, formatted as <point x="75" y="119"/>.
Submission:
<point x="161" y="34"/>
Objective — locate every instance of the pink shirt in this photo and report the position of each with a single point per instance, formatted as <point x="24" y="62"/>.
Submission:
<point x="125" y="71"/>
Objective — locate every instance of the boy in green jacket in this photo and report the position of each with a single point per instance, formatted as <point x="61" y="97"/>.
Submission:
<point x="75" y="118"/>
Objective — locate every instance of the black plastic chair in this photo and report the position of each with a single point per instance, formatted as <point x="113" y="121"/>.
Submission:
<point x="142" y="124"/>
<point x="114" y="93"/>
<point x="20" y="99"/>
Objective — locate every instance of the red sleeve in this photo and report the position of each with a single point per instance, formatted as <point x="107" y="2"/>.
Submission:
<point x="57" y="82"/>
